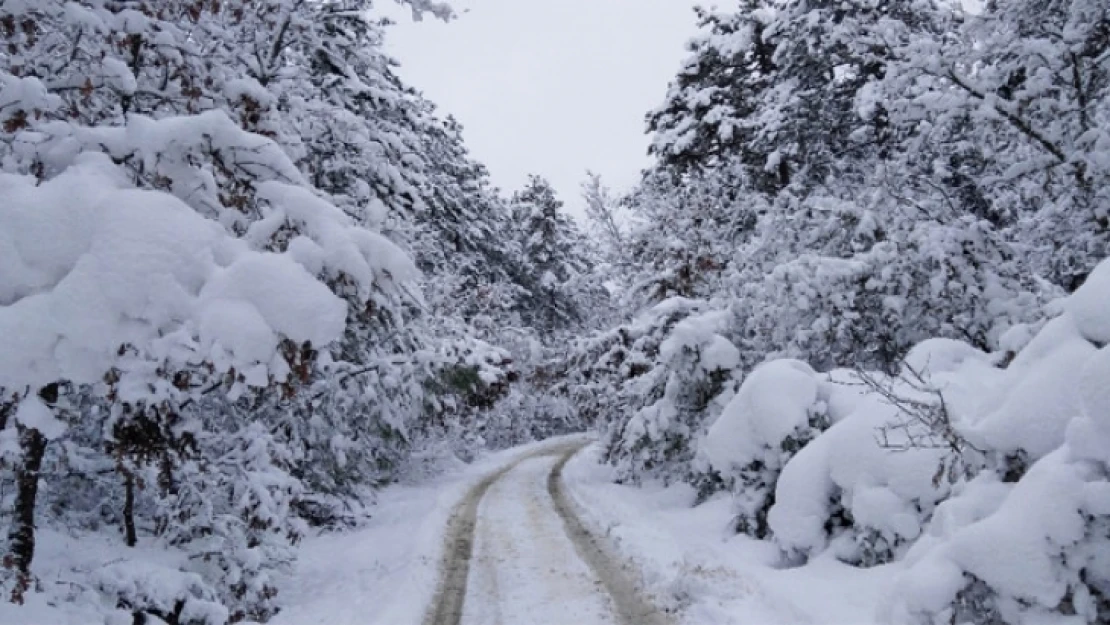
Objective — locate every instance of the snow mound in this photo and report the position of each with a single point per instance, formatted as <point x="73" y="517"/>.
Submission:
<point x="1037" y="399"/>
<point x="868" y="486"/>
<point x="1035" y="550"/>
<point x="1020" y="562"/>
<point x="1090" y="305"/>
<point x="941" y="355"/>
<point x="1094" y="388"/>
<point x="774" y="402"/>
<point x="846" y="484"/>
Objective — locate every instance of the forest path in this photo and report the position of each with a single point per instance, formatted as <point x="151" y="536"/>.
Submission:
<point x="518" y="553"/>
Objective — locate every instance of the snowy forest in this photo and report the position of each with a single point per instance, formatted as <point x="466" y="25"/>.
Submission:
<point x="250" y="279"/>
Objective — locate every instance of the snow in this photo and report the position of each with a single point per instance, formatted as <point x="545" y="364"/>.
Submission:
<point x="691" y="562"/>
<point x="1037" y="399"/>
<point x="775" y="400"/>
<point x="1008" y="551"/>
<point x="802" y="496"/>
<point x="118" y="76"/>
<point x="33" y="413"/>
<point x="1028" y="542"/>
<point x="1012" y="548"/>
<point x="697" y="568"/>
<point x="287" y="299"/>
<point x="26" y="92"/>
<point x="385" y="573"/>
<point x="131" y="267"/>
<point x="144" y="255"/>
<point x="885" y="491"/>
<point x="698" y="333"/>
<point x="161" y="588"/>
<point x="332" y="241"/>
<point x="933" y="356"/>
<point x="1088" y="305"/>
<point x="524" y="568"/>
<point x="74" y="569"/>
<point x="239" y="88"/>
<point x="1094" y="390"/>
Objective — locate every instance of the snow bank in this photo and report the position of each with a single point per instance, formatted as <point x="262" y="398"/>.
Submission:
<point x="984" y="478"/>
<point x="700" y="572"/>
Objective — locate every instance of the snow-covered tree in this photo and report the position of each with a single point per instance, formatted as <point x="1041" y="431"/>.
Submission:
<point x="554" y="254"/>
<point x="280" y="130"/>
<point x="603" y="209"/>
<point x="1015" y="99"/>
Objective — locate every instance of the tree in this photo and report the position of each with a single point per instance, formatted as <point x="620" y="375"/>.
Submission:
<point x="1024" y="86"/>
<point x="200" y="114"/>
<point x="707" y="115"/>
<point x="603" y="211"/>
<point x="553" y="253"/>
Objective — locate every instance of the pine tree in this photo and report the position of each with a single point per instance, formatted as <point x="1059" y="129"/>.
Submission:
<point x="707" y="117"/>
<point x="553" y="252"/>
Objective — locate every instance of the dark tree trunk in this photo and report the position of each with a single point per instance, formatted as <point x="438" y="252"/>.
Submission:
<point x="129" y="508"/>
<point x="5" y="411"/>
<point x="21" y="537"/>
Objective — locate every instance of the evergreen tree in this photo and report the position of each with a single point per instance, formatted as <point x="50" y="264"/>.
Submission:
<point x="554" y="254"/>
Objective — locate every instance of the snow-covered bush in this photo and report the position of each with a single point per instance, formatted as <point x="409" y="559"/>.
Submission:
<point x="153" y="591"/>
<point x="600" y="366"/>
<point x="868" y="486"/>
<point x="779" y="409"/>
<point x="1035" y="550"/>
<point x="690" y="381"/>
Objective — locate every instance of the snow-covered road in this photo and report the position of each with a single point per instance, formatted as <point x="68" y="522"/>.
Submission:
<point x="524" y="558"/>
<point x="525" y="568"/>
<point x="518" y="537"/>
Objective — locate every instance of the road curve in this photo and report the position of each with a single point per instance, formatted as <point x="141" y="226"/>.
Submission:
<point x="516" y="551"/>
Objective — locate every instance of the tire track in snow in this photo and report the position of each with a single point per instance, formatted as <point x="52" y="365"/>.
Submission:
<point x="616" y="580"/>
<point x="447" y="607"/>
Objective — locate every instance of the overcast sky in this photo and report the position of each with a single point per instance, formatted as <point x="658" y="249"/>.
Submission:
<point x="553" y="87"/>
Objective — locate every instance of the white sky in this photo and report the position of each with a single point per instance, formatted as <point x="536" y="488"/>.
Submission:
<point x="553" y="87"/>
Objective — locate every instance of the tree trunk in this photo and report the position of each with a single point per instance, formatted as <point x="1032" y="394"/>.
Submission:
<point x="129" y="508"/>
<point x="21" y="537"/>
<point x="5" y="412"/>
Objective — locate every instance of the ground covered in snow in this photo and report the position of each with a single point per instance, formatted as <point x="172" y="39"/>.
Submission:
<point x="695" y="566"/>
<point x="383" y="573"/>
<point x="386" y="572"/>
